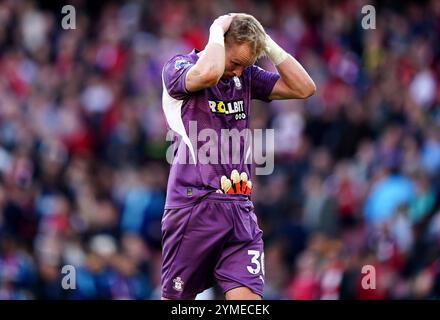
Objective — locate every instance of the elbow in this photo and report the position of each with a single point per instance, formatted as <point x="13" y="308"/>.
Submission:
<point x="302" y="91"/>
<point x="211" y="77"/>
<point x="308" y="90"/>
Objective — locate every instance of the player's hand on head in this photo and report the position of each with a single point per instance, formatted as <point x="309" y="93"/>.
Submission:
<point x="223" y="21"/>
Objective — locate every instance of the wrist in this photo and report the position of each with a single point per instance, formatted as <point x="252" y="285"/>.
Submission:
<point x="275" y="53"/>
<point x="216" y="35"/>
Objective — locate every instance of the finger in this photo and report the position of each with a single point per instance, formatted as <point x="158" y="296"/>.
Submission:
<point x="244" y="179"/>
<point x="226" y="18"/>
<point x="227" y="187"/>
<point x="249" y="188"/>
<point x="222" y="181"/>
<point x="235" y="177"/>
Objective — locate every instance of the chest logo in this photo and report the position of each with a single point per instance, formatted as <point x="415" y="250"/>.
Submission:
<point x="235" y="107"/>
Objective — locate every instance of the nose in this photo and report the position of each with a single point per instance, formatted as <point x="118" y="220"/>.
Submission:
<point x="237" y="72"/>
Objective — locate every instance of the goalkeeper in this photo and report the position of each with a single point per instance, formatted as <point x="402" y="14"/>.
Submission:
<point x="209" y="228"/>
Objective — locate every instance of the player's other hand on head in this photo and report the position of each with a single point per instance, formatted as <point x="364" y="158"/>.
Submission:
<point x="223" y="21"/>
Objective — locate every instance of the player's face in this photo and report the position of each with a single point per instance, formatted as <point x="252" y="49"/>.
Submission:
<point x="237" y="57"/>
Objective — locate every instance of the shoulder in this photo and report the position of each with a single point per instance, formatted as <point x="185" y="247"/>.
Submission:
<point x="248" y="70"/>
<point x="252" y="70"/>
<point x="178" y="62"/>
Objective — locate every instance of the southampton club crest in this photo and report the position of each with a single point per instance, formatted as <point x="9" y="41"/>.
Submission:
<point x="237" y="82"/>
<point x="178" y="284"/>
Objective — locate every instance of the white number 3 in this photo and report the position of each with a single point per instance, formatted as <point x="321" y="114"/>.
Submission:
<point x="258" y="265"/>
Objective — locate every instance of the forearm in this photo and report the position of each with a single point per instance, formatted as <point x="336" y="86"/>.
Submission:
<point x="210" y="66"/>
<point x="212" y="60"/>
<point x="294" y="81"/>
<point x="296" y="78"/>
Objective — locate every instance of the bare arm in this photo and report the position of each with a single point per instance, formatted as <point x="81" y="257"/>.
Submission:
<point x="294" y="82"/>
<point x="211" y="65"/>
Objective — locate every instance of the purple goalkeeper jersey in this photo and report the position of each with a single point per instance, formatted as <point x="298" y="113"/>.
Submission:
<point x="210" y="127"/>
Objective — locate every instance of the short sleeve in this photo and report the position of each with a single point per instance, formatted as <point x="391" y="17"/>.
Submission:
<point x="262" y="83"/>
<point x="174" y="73"/>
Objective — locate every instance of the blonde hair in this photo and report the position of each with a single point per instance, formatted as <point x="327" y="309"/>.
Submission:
<point x="245" y="28"/>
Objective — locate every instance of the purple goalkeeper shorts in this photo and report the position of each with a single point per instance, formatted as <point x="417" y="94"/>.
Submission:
<point x="216" y="239"/>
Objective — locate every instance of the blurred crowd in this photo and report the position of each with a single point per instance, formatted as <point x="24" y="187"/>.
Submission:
<point x="82" y="148"/>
